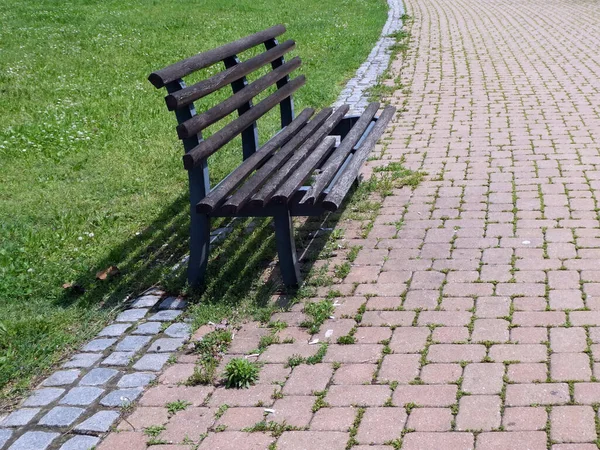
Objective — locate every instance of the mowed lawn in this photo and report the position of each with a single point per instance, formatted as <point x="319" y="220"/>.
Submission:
<point x="90" y="169"/>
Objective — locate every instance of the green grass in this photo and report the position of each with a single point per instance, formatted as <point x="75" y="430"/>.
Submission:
<point x="90" y="165"/>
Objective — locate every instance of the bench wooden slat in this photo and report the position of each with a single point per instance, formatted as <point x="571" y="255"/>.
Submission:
<point x="295" y="180"/>
<point x="262" y="197"/>
<point x="200" y="61"/>
<point x="235" y="127"/>
<point x="201" y="89"/>
<point x="339" y="155"/>
<point x="242" y="195"/>
<point x="216" y="113"/>
<point x="336" y="195"/>
<point x="219" y="194"/>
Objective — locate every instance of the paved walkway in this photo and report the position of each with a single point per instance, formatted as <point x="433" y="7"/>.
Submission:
<point x="485" y="329"/>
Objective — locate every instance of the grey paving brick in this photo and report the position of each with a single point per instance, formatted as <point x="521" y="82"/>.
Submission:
<point x="165" y="345"/>
<point x="99" y="345"/>
<point x="83" y="360"/>
<point x="115" y="330"/>
<point x="81" y="396"/>
<point x="80" y="443"/>
<point x="99" y="422"/>
<point x="119" y="359"/>
<point x="34" y="440"/>
<point x="132" y="343"/>
<point x="131" y="315"/>
<point x="148" y="328"/>
<point x="43" y="397"/>
<point x="120" y="397"/>
<point x="178" y="330"/>
<point x="152" y="362"/>
<point x="98" y="377"/>
<point x="165" y="316"/>
<point x="4" y="436"/>
<point x="19" y="417"/>
<point x="62" y="377"/>
<point x="173" y="303"/>
<point x="146" y="301"/>
<point x="136" y="379"/>
<point x="61" y="416"/>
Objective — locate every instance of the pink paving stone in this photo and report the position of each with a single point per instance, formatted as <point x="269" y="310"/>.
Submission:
<point x="362" y="274"/>
<point x="574" y="447"/>
<point x="332" y="329"/>
<point x="425" y="395"/>
<point x="380" y="425"/>
<point x="519" y="352"/>
<point x="400" y="368"/>
<point x="446" y="318"/>
<point x="236" y="419"/>
<point x="434" y="441"/>
<point x="380" y="303"/>
<point x="261" y="393"/>
<point x="161" y="395"/>
<point x="355" y="353"/>
<point x="540" y="318"/>
<point x="236" y="440"/>
<point x="143" y="417"/>
<point x="295" y="411"/>
<point x="363" y="395"/>
<point x="381" y="289"/>
<point x="441" y="373"/>
<point x="483" y="378"/>
<point x="388" y="318"/>
<point x="492" y="307"/>
<point x="527" y="372"/>
<point x="348" y="306"/>
<point x="570" y="367"/>
<point x="372" y="335"/>
<point x="280" y="353"/>
<point x="423" y="280"/>
<point x="528" y="335"/>
<point x="457" y="304"/>
<point x="177" y="373"/>
<point x="468" y="289"/>
<point x="189" y="424"/>
<point x="450" y="335"/>
<point x="430" y="419"/>
<point x="173" y="447"/>
<point x="524" y="419"/>
<point x="314" y="440"/>
<point x="595" y="334"/>
<point x="409" y="340"/>
<point x="490" y="330"/>
<point x="568" y="340"/>
<point x="354" y="374"/>
<point x="587" y="393"/>
<point x="333" y="419"/>
<point x="273" y="373"/>
<point x="444" y="353"/>
<point x="306" y="379"/>
<point x="579" y="318"/>
<point x="426" y="299"/>
<point x="478" y="412"/>
<point x="537" y="393"/>
<point x="126" y="440"/>
<point x="529" y="303"/>
<point x="512" y="440"/>
<point x="563" y="279"/>
<point x="566" y="299"/>
<point x="572" y="424"/>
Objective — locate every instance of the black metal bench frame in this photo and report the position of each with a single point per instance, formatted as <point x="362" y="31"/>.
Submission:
<point x="295" y="152"/>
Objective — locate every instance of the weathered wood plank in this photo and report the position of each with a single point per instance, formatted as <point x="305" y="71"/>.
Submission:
<point x="336" y="195"/>
<point x="203" y="88"/>
<point x="235" y="127"/>
<point x="219" y="194"/>
<point x="200" y="61"/>
<point x="264" y="195"/>
<point x="338" y="157"/>
<point x="242" y="195"/>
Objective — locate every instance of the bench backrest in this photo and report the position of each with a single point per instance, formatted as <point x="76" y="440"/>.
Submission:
<point x="181" y="98"/>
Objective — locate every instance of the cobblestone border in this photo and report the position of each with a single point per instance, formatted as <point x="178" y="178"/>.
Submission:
<point x="354" y="94"/>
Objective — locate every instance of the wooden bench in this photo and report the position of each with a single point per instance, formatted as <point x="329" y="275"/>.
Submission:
<point x="327" y="148"/>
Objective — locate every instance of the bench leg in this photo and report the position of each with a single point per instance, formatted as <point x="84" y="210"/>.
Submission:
<point x="199" y="248"/>
<point x="286" y="248"/>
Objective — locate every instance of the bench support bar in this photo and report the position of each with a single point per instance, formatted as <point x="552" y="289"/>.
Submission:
<point x="286" y="248"/>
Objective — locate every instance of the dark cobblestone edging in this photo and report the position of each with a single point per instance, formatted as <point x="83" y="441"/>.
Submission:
<point x="74" y="406"/>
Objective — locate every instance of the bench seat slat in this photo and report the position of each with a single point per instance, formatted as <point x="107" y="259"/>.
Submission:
<point x="201" y="89"/>
<point x="262" y="197"/>
<point x="242" y="195"/>
<point x="216" y="113"/>
<point x="200" y="61"/>
<point x="338" y="192"/>
<point x="219" y="194"/>
<point x="235" y="127"/>
<point x="337" y="158"/>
